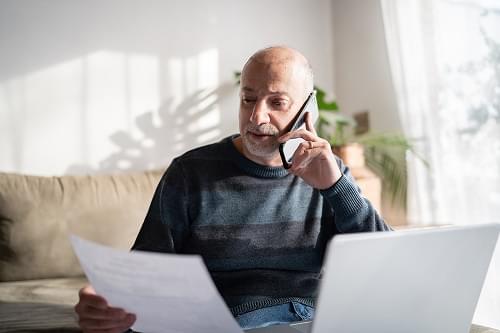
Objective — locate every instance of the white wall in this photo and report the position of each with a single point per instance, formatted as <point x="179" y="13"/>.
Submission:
<point x="96" y="86"/>
<point x="362" y="74"/>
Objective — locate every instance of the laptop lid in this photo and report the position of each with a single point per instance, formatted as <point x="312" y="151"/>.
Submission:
<point x="406" y="281"/>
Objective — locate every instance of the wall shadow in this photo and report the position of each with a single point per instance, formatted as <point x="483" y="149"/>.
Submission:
<point x="160" y="143"/>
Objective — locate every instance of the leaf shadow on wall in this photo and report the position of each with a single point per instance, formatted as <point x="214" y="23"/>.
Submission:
<point x="181" y="127"/>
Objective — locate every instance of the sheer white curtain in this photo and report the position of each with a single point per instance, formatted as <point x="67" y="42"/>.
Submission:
<point x="445" y="62"/>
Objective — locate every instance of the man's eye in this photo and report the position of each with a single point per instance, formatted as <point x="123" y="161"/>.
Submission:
<point x="280" y="103"/>
<point x="248" y="100"/>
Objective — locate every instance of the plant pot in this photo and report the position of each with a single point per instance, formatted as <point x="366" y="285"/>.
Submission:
<point x="352" y="154"/>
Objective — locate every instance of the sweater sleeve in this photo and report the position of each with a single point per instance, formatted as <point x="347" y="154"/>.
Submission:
<point x="166" y="223"/>
<point x="352" y="211"/>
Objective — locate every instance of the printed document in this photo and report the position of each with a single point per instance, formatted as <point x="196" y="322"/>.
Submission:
<point x="167" y="292"/>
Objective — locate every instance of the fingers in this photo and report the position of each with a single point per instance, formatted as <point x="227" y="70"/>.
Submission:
<point x="95" y="315"/>
<point x="300" y="133"/>
<point x="89" y="298"/>
<point x="311" y="148"/>
<point x="122" y="324"/>
<point x="106" y="314"/>
<point x="306" y="153"/>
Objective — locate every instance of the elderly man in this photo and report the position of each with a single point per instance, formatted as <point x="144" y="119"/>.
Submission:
<point x="261" y="229"/>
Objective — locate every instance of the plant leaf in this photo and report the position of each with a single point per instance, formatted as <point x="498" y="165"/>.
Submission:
<point x="323" y="104"/>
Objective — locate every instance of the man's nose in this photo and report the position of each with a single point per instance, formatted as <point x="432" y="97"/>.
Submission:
<point x="260" y="113"/>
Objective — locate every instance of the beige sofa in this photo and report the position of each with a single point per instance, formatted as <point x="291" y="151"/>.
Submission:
<point x="39" y="273"/>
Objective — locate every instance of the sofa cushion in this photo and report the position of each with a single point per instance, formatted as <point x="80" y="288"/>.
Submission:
<point x="39" y="305"/>
<point x="38" y="213"/>
<point x="62" y="291"/>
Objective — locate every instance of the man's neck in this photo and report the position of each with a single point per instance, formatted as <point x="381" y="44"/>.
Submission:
<point x="274" y="161"/>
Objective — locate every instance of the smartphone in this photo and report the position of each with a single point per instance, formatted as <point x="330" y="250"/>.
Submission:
<point x="287" y="149"/>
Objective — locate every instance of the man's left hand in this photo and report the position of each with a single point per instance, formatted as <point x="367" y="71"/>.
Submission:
<point x="313" y="160"/>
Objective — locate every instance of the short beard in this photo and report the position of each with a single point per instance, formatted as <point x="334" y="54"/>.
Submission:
<point x="258" y="149"/>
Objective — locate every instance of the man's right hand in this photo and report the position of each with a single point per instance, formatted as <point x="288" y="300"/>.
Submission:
<point x="95" y="315"/>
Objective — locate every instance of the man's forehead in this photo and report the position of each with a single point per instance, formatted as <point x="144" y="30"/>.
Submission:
<point x="275" y="78"/>
<point x="269" y="90"/>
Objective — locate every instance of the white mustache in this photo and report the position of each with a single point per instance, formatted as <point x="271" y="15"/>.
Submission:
<point x="265" y="129"/>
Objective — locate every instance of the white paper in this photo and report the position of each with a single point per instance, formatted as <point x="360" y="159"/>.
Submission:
<point x="167" y="292"/>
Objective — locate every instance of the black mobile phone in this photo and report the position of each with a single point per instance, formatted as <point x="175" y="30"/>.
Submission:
<point x="287" y="149"/>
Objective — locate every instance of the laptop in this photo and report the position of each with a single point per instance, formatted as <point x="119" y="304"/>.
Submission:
<point x="421" y="281"/>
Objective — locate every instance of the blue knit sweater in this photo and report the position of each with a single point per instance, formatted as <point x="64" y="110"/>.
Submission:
<point x="261" y="231"/>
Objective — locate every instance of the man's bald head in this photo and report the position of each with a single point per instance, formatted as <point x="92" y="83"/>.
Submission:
<point x="283" y="56"/>
<point x="275" y="83"/>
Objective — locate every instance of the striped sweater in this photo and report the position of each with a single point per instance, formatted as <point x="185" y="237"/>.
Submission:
<point x="261" y="231"/>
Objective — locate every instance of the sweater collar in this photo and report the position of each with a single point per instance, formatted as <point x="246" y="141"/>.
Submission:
<point x="250" y="166"/>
